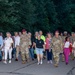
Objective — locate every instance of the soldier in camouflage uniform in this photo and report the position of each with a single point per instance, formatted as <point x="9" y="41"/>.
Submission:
<point x="56" y="47"/>
<point x="72" y="40"/>
<point x="25" y="42"/>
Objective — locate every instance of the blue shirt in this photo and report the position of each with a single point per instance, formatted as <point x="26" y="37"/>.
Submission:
<point x="1" y="41"/>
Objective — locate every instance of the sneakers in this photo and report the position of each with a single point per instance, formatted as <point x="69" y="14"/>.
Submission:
<point x="9" y="61"/>
<point x="5" y="62"/>
<point x="40" y="63"/>
<point x="51" y="61"/>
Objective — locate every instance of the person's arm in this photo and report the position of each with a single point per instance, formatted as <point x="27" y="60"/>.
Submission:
<point x="11" y="42"/>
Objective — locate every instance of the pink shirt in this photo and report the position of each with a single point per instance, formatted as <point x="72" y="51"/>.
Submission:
<point x="47" y="45"/>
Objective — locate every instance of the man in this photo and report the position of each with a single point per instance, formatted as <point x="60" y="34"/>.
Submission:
<point x="72" y="40"/>
<point x="56" y="47"/>
<point x="17" y="44"/>
<point x="1" y="45"/>
<point x="25" y="43"/>
<point x="42" y="36"/>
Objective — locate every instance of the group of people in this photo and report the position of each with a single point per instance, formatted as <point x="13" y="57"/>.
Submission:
<point x="38" y="46"/>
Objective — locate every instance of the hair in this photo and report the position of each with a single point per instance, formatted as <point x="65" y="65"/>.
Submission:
<point x="48" y="33"/>
<point x="66" y="38"/>
<point x="7" y="32"/>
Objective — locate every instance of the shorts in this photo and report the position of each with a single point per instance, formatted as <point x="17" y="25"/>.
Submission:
<point x="39" y="51"/>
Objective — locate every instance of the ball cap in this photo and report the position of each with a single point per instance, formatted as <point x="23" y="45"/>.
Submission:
<point x="23" y="30"/>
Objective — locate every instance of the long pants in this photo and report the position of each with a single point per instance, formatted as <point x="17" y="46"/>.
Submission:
<point x="66" y="54"/>
<point x="31" y="50"/>
<point x="0" y="55"/>
<point x="6" y="52"/>
<point x="56" y="57"/>
<point x="14" y="52"/>
<point x="49" y="55"/>
<point x="17" y="51"/>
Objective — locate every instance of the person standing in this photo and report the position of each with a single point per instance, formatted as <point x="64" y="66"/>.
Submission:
<point x="1" y="46"/>
<point x="31" y="50"/>
<point x="25" y="43"/>
<point x="67" y="49"/>
<point x="63" y="40"/>
<point x="56" y="45"/>
<point x="47" y="48"/>
<point x="17" y="44"/>
<point x="8" y="47"/>
<point x="43" y="38"/>
<point x="72" y="40"/>
<point x="39" y="44"/>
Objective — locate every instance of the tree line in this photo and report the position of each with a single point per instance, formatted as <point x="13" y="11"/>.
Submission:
<point x="34" y="15"/>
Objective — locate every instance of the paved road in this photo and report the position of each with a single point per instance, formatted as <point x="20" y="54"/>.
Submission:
<point x="16" y="68"/>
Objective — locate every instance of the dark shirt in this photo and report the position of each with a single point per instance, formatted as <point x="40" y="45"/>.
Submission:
<point x="39" y="43"/>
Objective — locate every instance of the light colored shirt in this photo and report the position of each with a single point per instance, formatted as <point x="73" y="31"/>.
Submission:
<point x="7" y="43"/>
<point x="17" y="40"/>
<point x="67" y="44"/>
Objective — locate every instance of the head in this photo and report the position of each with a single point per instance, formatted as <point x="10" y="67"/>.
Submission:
<point x="73" y="34"/>
<point x="1" y="34"/>
<point x="20" y="33"/>
<point x="24" y="31"/>
<point x="65" y="33"/>
<point x="40" y="32"/>
<point x="29" y="34"/>
<point x="49" y="35"/>
<point x="36" y="33"/>
<point x="39" y="37"/>
<point x="57" y="33"/>
<point x="16" y="33"/>
<point x="8" y="34"/>
<point x="67" y="39"/>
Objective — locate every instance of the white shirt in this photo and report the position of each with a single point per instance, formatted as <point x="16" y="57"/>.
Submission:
<point x="67" y="44"/>
<point x="8" y="42"/>
<point x="17" y="40"/>
<point x="74" y="44"/>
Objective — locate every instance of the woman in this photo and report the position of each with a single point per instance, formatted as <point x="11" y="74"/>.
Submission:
<point x="8" y="47"/>
<point x="67" y="46"/>
<point x="48" y="49"/>
<point x="39" y="44"/>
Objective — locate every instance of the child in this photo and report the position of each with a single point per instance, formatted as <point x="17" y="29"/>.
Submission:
<point x="67" y="49"/>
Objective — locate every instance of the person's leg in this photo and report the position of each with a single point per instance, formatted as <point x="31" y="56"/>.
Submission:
<point x="10" y="55"/>
<point x="67" y="56"/>
<point x="17" y="53"/>
<point x="5" y="56"/>
<point x="47" y="51"/>
<point x="56" y="58"/>
<point x="41" y="56"/>
<point x="27" y="54"/>
<point x="23" y="57"/>
<point x="31" y="53"/>
<point x="50" y="56"/>
<point x="38" y="55"/>
<point x="74" y="53"/>
<point x="0" y="55"/>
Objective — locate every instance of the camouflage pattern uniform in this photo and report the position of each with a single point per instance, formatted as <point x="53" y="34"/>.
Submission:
<point x="56" y="48"/>
<point x="24" y="46"/>
<point x="72" y="40"/>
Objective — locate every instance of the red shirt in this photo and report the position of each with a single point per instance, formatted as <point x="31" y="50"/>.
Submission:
<point x="47" y="43"/>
